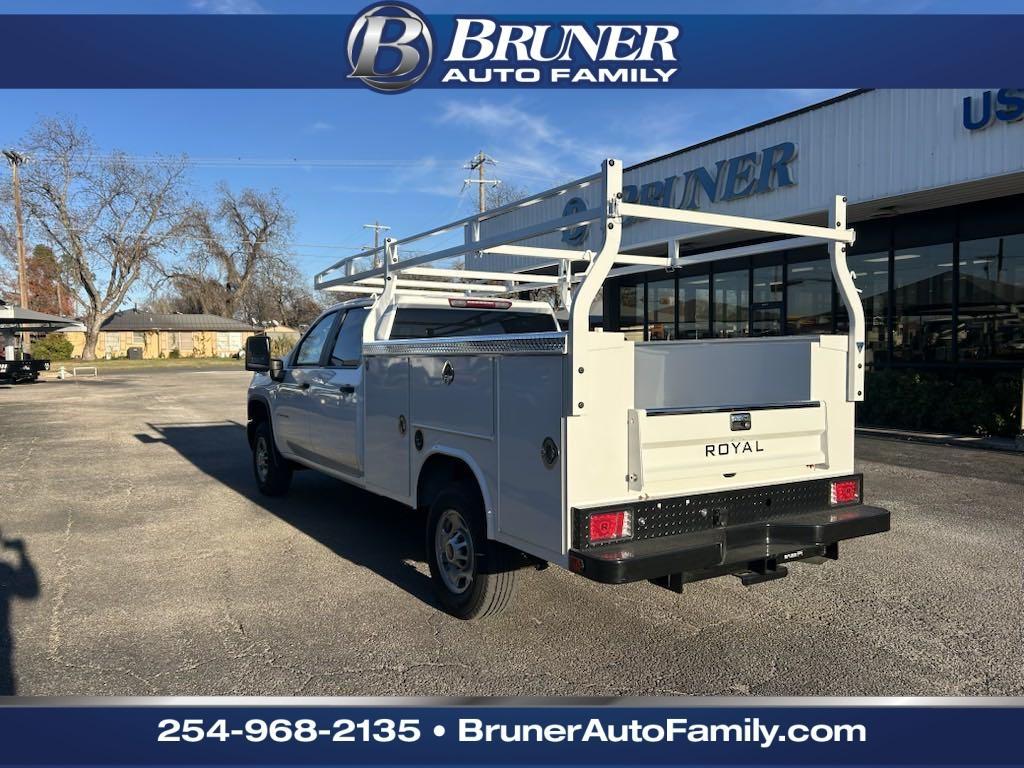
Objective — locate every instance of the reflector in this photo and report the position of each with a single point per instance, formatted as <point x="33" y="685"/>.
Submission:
<point x="845" y="491"/>
<point x="609" y="526"/>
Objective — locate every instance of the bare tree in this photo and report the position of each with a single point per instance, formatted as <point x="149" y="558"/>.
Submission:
<point x="280" y="295"/>
<point x="503" y="194"/>
<point x="231" y="242"/>
<point x="108" y="218"/>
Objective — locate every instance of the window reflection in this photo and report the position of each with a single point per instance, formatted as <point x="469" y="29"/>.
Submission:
<point x="661" y="310"/>
<point x="631" y="306"/>
<point x="766" y="306"/>
<point x="732" y="300"/>
<point x="809" y="296"/>
<point x="991" y="323"/>
<point x="693" y="307"/>
<point x="922" y="303"/>
<point x="871" y="277"/>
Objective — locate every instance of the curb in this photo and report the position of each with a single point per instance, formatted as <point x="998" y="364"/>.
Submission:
<point x="956" y="441"/>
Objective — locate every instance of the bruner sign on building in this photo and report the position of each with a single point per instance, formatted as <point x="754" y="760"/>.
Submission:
<point x="735" y="178"/>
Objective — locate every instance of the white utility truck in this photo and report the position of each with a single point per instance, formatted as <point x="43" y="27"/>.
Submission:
<point x="527" y="444"/>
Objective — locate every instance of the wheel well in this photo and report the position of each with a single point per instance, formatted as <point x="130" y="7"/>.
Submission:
<point x="439" y="471"/>
<point x="258" y="413"/>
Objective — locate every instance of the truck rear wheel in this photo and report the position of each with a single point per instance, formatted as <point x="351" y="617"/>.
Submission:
<point x="473" y="576"/>
<point x="272" y="470"/>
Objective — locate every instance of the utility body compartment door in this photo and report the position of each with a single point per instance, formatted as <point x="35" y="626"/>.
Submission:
<point x="388" y="431"/>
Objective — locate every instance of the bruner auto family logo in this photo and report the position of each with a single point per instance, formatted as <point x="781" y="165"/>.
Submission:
<point x="391" y="45"/>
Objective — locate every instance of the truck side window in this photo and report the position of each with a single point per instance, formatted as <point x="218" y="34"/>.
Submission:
<point x="312" y="347"/>
<point x="348" y="347"/>
<point x="427" y="323"/>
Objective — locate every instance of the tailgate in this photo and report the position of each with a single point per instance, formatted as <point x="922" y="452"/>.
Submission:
<point x="670" y="446"/>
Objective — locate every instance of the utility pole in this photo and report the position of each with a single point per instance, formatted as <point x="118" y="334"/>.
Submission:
<point x="477" y="164"/>
<point x="15" y="160"/>
<point x="377" y="227"/>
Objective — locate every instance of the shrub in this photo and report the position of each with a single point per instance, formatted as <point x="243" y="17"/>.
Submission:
<point x="54" y="346"/>
<point x="961" y="402"/>
<point x="174" y="354"/>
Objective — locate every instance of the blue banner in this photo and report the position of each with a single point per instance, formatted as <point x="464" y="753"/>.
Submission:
<point x="392" y="47"/>
<point x="957" y="733"/>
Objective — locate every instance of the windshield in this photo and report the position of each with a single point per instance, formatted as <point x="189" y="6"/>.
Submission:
<point x="430" y="322"/>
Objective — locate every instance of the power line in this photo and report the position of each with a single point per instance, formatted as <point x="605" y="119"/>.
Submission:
<point x="286" y="162"/>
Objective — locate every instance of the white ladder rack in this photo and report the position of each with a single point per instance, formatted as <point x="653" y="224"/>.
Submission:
<point x="578" y="291"/>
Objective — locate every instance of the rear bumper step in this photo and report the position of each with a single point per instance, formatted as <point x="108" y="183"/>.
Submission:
<point x="757" y="551"/>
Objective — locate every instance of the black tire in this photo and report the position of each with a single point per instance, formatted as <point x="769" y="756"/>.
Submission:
<point x="272" y="470"/>
<point x="485" y="588"/>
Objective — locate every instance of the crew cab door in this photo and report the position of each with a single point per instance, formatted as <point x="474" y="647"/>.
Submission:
<point x="292" y="407"/>
<point x="336" y="395"/>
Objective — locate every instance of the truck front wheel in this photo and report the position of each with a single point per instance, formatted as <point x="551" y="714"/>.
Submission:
<point x="473" y="576"/>
<point x="273" y="473"/>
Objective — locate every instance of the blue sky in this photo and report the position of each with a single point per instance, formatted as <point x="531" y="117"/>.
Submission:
<point x="342" y="159"/>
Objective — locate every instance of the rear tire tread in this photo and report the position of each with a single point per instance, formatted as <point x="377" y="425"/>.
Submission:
<point x="493" y="585"/>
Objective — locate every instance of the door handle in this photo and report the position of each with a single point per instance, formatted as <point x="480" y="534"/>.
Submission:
<point x="348" y="389"/>
<point x="305" y="385"/>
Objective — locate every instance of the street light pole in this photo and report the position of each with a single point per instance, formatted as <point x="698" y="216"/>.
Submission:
<point x="15" y="160"/>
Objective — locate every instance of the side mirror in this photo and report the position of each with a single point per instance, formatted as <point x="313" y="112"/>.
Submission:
<point x="257" y="354"/>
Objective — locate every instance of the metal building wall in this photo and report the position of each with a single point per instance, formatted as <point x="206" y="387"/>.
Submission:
<point x="871" y="146"/>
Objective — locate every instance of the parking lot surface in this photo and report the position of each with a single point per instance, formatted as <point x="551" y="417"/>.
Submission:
<point x="148" y="564"/>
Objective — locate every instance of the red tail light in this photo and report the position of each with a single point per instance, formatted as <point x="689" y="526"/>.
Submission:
<point x="845" y="491"/>
<point x="610" y="526"/>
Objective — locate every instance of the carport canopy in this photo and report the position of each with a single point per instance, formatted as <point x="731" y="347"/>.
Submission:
<point x="21" y="320"/>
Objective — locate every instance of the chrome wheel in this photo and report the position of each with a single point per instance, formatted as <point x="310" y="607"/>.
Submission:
<point x="262" y="459"/>
<point x="453" y="547"/>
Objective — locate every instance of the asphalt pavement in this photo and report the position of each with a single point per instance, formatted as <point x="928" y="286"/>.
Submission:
<point x="139" y="559"/>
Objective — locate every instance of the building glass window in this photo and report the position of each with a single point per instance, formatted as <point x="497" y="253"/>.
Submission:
<point x="732" y="303"/>
<point x="991" y="318"/>
<point x="809" y="292"/>
<point x="110" y="343"/>
<point x="138" y="337"/>
<point x="661" y="310"/>
<point x="693" y="307"/>
<point x="768" y="285"/>
<point x="631" y="308"/>
<point x="923" y="304"/>
<point x="766" y="307"/>
<point x="871" y="277"/>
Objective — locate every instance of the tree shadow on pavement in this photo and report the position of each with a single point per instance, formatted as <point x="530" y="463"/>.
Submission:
<point x="366" y="530"/>
<point x="18" y="581"/>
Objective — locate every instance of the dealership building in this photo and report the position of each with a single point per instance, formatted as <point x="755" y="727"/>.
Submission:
<point x="935" y="184"/>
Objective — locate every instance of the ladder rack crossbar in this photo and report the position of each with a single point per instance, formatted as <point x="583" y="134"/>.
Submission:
<point x="723" y="221"/>
<point x="377" y="282"/>
<point x="473" y="274"/>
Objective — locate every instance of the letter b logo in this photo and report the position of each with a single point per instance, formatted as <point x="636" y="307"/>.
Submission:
<point x="389" y="47"/>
